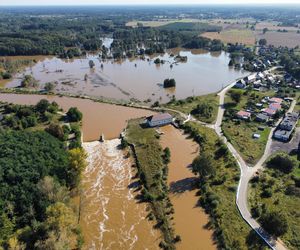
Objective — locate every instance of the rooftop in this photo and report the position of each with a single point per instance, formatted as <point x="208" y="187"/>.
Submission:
<point x="159" y="117"/>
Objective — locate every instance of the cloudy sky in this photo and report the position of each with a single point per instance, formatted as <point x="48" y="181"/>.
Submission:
<point x="117" y="2"/>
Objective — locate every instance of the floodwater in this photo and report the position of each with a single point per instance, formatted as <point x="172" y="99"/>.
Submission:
<point x="98" y="117"/>
<point x="203" y="73"/>
<point x="111" y="218"/>
<point x="190" y="219"/>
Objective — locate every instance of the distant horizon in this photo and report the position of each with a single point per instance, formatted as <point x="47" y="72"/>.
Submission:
<point x="40" y="3"/>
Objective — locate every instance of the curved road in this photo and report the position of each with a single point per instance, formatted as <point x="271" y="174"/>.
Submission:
<point x="247" y="173"/>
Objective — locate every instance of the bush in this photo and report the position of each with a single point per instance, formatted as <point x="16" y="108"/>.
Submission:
<point x="74" y="115"/>
<point x="169" y="83"/>
<point x="282" y="162"/>
<point x="274" y="223"/>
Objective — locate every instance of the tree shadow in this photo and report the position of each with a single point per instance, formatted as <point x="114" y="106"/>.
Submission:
<point x="183" y="185"/>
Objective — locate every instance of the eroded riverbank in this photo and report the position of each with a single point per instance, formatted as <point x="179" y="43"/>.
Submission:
<point x="189" y="218"/>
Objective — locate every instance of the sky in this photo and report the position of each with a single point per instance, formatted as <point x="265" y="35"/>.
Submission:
<point x="139" y="2"/>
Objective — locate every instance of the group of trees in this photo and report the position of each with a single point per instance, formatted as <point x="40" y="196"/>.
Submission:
<point x="37" y="177"/>
<point x="169" y="83"/>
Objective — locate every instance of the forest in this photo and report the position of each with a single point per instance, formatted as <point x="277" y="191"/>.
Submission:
<point x="40" y="172"/>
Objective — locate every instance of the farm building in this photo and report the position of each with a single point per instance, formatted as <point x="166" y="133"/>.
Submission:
<point x="159" y="120"/>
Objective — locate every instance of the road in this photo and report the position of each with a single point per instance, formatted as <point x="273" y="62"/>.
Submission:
<point x="247" y="173"/>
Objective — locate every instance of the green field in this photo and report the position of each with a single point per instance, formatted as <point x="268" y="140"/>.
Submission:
<point x="186" y="106"/>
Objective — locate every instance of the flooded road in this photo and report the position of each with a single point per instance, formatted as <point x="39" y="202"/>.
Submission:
<point x="98" y="117"/>
<point x="190" y="219"/>
<point x="111" y="218"/>
<point x="202" y="73"/>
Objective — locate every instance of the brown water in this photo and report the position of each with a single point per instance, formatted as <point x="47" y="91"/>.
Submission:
<point x="98" y="117"/>
<point x="111" y="218"/>
<point x="190" y="220"/>
<point x="203" y="73"/>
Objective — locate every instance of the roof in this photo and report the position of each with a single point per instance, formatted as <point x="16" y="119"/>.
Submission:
<point x="269" y="111"/>
<point x="243" y="113"/>
<point x="159" y="117"/>
<point x="262" y="117"/>
<point x="275" y="106"/>
<point x="276" y="99"/>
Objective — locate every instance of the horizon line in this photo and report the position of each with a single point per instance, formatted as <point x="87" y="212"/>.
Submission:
<point x="149" y="4"/>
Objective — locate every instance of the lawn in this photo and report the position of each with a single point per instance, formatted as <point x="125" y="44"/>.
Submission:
<point x="186" y="106"/>
<point x="277" y="183"/>
<point x="152" y="171"/>
<point x="218" y="193"/>
<point x="244" y="36"/>
<point x="240" y="134"/>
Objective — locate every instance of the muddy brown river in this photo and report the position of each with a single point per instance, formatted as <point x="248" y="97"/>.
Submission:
<point x="110" y="217"/>
<point x="190" y="219"/>
<point x="203" y="73"/>
<point x="98" y="117"/>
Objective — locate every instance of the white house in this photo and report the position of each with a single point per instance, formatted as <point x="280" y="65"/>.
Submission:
<point x="159" y="119"/>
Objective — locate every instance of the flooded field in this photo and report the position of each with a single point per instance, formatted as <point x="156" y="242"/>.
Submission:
<point x="111" y="218"/>
<point x="98" y="118"/>
<point x="189" y="218"/>
<point x="203" y="73"/>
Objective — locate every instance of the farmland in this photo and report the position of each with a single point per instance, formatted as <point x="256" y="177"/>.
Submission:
<point x="244" y="36"/>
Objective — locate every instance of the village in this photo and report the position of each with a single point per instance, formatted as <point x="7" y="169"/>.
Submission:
<point x="270" y="110"/>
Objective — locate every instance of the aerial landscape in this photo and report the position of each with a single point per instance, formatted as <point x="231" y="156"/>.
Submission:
<point x="149" y="125"/>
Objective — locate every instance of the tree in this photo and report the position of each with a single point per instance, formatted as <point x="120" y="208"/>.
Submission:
<point x="235" y="95"/>
<point x="42" y="106"/>
<point x="169" y="83"/>
<point x="56" y="130"/>
<point x="282" y="162"/>
<point x="166" y="155"/>
<point x="203" y="109"/>
<point x="157" y="61"/>
<point x="274" y="223"/>
<point x="262" y="42"/>
<point x="49" y="86"/>
<point x="265" y="30"/>
<point x="29" y="82"/>
<point x="91" y="64"/>
<point x="203" y="165"/>
<point x="77" y="163"/>
<point x="74" y="115"/>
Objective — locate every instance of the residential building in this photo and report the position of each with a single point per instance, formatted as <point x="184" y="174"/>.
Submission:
<point x="275" y="100"/>
<point x="262" y="118"/>
<point x="282" y="135"/>
<point x="243" y="115"/>
<point x="269" y="112"/>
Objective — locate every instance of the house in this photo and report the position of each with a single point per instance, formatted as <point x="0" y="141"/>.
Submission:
<point x="282" y="135"/>
<point x="240" y="84"/>
<point x="275" y="100"/>
<point x="276" y="106"/>
<point x="269" y="112"/>
<point x="260" y="76"/>
<point x="243" y="115"/>
<point x="262" y="118"/>
<point x="250" y="78"/>
<point x="159" y="119"/>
